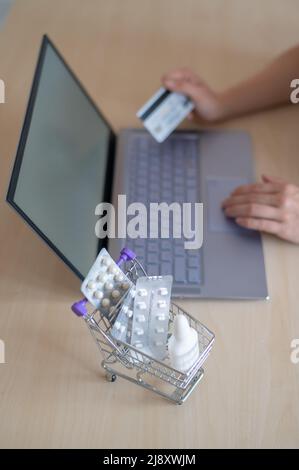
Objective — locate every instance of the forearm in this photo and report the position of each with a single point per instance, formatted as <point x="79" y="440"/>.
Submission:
<point x="270" y="87"/>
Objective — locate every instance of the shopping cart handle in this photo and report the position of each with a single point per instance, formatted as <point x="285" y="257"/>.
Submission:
<point x="125" y="255"/>
<point x="79" y="308"/>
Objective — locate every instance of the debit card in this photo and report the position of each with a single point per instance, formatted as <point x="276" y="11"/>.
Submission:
<point x="163" y="112"/>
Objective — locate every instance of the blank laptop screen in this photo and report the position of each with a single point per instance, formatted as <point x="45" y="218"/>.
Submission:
<point x="62" y="168"/>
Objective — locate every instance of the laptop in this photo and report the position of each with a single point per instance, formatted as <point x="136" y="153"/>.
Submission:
<point x="69" y="160"/>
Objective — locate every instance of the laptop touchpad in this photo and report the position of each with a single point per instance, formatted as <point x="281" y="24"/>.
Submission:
<point x="218" y="190"/>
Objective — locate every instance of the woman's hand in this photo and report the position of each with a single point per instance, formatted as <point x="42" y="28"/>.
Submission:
<point x="208" y="104"/>
<point x="271" y="206"/>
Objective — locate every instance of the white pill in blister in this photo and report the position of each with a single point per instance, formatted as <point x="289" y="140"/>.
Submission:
<point x="140" y="318"/>
<point x="118" y="277"/>
<point x="163" y="291"/>
<point x="129" y="313"/>
<point x="117" y="325"/>
<point x="133" y="293"/>
<point x="102" y="277"/>
<point x="122" y="328"/>
<point x="138" y="345"/>
<point x="142" y="292"/>
<point x="106" y="261"/>
<point x="108" y="285"/>
<point x="105" y="302"/>
<point x="159" y="330"/>
<point x="91" y="285"/>
<point x="112" y="269"/>
<point x="125" y="285"/>
<point x="139" y="331"/>
<point x="98" y="294"/>
<point x="141" y="305"/>
<point x="160" y="317"/>
<point x="115" y="294"/>
<point x="161" y="303"/>
<point x="125" y="308"/>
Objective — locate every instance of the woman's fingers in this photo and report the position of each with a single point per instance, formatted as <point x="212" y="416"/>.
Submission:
<point x="182" y="86"/>
<point x="258" y="188"/>
<point x="263" y="225"/>
<point x="181" y="74"/>
<point x="271" y="206"/>
<point x="252" y="198"/>
<point x="254" y="211"/>
<point x="272" y="179"/>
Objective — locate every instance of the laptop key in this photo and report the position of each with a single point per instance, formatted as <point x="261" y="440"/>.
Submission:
<point x="153" y="246"/>
<point x="153" y="258"/>
<point x="166" y="245"/>
<point x="193" y="276"/>
<point x="193" y="262"/>
<point x="179" y="251"/>
<point x="152" y="269"/>
<point x="191" y="195"/>
<point x="166" y="268"/>
<point x="179" y="271"/>
<point x="165" y="256"/>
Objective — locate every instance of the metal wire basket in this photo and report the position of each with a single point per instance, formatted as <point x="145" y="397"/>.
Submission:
<point x="123" y="360"/>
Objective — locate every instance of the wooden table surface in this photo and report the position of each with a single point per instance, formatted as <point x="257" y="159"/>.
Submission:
<point x="52" y="390"/>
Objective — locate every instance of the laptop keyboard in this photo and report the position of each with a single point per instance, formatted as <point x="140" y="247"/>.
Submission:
<point x="166" y="172"/>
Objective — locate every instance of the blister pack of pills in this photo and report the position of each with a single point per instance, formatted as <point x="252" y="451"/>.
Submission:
<point x="105" y="283"/>
<point x="151" y="315"/>
<point x="122" y="326"/>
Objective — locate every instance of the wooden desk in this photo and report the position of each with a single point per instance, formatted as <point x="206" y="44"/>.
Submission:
<point x="52" y="390"/>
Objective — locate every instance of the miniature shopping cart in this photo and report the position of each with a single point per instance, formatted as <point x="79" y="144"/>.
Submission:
<point x="124" y="360"/>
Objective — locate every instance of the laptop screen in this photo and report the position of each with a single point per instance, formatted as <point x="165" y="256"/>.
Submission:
<point x="63" y="167"/>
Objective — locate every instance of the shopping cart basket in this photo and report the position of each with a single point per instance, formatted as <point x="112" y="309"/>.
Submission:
<point x="121" y="359"/>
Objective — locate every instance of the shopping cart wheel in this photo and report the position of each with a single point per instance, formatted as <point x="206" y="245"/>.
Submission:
<point x="111" y="377"/>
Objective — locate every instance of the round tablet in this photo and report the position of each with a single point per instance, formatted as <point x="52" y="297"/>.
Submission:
<point x="133" y="293"/>
<point x="98" y="294"/>
<point x="125" y="285"/>
<point x="108" y="285"/>
<point x="91" y="285"/>
<point x="125" y="308"/>
<point x="106" y="261"/>
<point x="115" y="294"/>
<point x="142" y="292"/>
<point x="102" y="277"/>
<point x="129" y="313"/>
<point x="112" y="269"/>
<point x="105" y="302"/>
